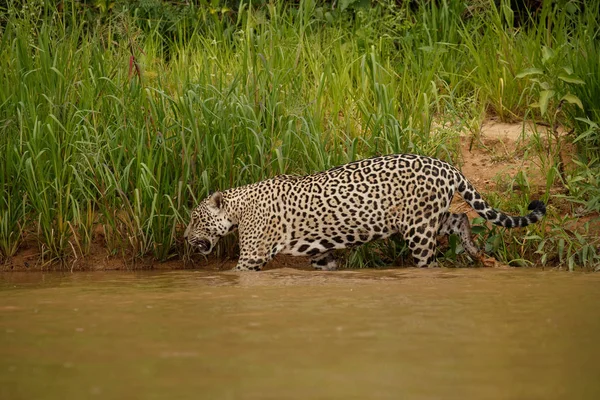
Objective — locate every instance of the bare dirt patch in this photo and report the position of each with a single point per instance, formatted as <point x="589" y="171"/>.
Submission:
<point x="499" y="151"/>
<point x="492" y="160"/>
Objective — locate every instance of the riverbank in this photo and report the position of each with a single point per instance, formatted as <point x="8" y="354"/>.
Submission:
<point x="491" y="163"/>
<point x="115" y="121"/>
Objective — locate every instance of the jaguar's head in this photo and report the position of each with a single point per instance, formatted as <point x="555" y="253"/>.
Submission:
<point x="209" y="223"/>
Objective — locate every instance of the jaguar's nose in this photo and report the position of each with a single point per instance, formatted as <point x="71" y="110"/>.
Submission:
<point x="203" y="245"/>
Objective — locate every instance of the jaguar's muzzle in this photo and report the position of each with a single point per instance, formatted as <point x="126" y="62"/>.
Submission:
<point x="203" y="245"/>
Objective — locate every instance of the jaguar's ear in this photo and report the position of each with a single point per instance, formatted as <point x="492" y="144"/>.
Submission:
<point x="216" y="200"/>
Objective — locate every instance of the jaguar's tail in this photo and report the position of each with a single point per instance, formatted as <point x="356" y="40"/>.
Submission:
<point x="471" y="196"/>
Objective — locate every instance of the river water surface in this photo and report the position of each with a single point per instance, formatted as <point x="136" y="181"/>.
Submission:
<point x="292" y="334"/>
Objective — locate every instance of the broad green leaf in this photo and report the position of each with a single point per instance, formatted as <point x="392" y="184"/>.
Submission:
<point x="345" y="4"/>
<point x="509" y="14"/>
<point x="572" y="8"/>
<point x="545" y="96"/>
<point x="476" y="230"/>
<point x="453" y="241"/>
<point x="547" y="53"/>
<point x="571" y="79"/>
<point x="561" y="249"/>
<point x="568" y="70"/>
<point x="529" y="71"/>
<point x="532" y="237"/>
<point x="572" y="99"/>
<point x="329" y="17"/>
<point x="588" y="121"/>
<point x="571" y="263"/>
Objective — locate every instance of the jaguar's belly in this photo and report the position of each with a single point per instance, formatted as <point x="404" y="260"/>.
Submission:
<point x="313" y="242"/>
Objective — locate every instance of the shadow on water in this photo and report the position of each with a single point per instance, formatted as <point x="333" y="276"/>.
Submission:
<point x="285" y="333"/>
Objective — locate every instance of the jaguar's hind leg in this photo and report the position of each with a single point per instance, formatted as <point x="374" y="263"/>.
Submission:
<point x="324" y="261"/>
<point x="421" y="242"/>
<point x="459" y="224"/>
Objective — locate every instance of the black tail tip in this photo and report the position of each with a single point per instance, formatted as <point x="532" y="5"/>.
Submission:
<point x="537" y="205"/>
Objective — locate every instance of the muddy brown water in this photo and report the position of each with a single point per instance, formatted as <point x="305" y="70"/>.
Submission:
<point x="291" y="334"/>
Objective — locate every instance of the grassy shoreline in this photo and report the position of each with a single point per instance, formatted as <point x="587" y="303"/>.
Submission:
<point x="113" y="126"/>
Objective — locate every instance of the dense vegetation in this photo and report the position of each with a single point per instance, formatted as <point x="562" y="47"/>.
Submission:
<point x="116" y="117"/>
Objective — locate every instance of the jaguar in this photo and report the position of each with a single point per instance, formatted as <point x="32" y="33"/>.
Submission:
<point x="347" y="206"/>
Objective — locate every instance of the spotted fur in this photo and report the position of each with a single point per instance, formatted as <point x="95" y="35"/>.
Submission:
<point x="344" y="207"/>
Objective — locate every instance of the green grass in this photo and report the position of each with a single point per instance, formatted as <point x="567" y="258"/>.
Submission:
<point x="121" y="122"/>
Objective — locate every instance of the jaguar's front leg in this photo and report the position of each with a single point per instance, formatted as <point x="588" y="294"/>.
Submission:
<point x="252" y="258"/>
<point x="249" y="264"/>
